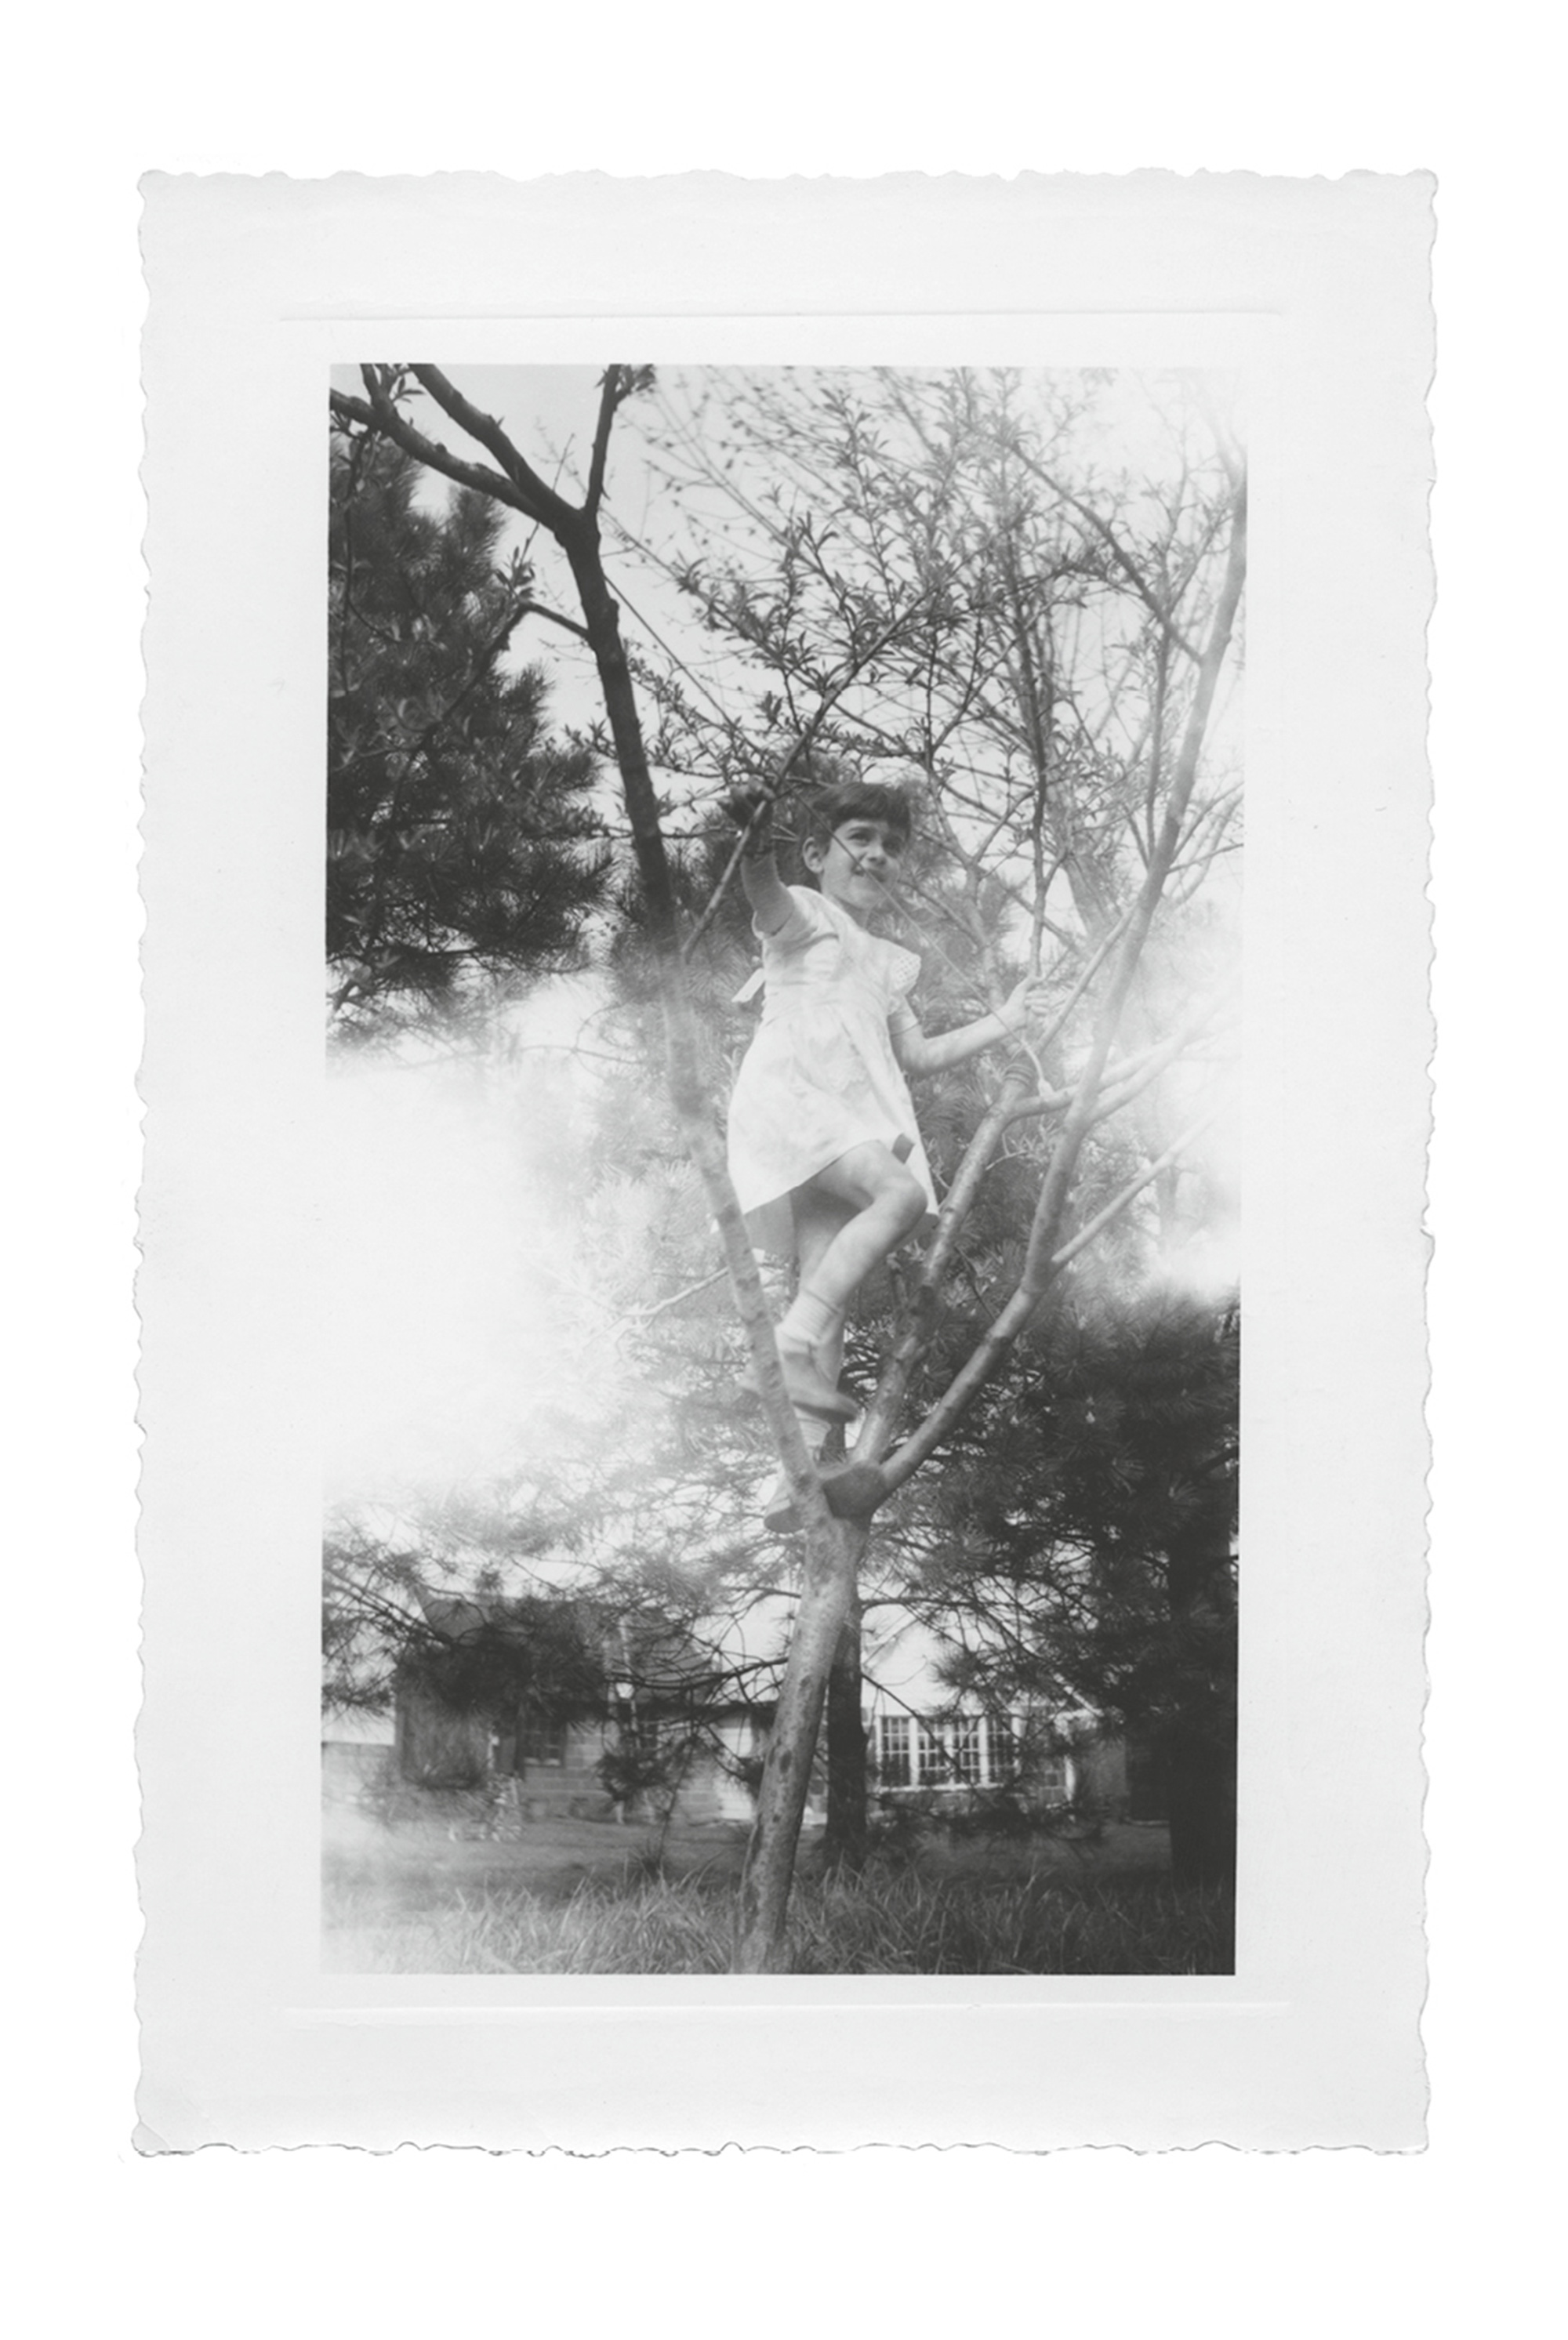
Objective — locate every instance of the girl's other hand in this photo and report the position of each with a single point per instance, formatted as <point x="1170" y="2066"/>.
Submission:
<point x="1026" y="1002"/>
<point x="742" y="804"/>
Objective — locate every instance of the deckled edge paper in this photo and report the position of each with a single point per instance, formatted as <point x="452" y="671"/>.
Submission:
<point x="1318" y="293"/>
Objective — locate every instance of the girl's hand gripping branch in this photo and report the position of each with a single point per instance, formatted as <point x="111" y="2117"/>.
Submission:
<point x="921" y="1055"/>
<point x="751" y="811"/>
<point x="1027" y="1000"/>
<point x="751" y="808"/>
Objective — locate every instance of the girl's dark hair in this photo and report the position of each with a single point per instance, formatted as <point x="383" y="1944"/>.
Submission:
<point x="857" y="800"/>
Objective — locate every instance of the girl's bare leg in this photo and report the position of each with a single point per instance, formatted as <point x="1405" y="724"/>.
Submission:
<point x="811" y="1336"/>
<point x="847" y="1219"/>
<point x="818" y="1219"/>
<point x="876" y="1203"/>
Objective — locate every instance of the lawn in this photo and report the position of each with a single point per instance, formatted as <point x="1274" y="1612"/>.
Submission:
<point x="585" y="1897"/>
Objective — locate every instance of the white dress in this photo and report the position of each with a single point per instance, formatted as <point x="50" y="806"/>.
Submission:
<point x="820" y="1076"/>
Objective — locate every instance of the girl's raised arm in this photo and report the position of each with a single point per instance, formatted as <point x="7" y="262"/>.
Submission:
<point x="751" y="809"/>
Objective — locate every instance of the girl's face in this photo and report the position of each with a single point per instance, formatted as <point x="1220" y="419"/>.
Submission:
<point x="858" y="867"/>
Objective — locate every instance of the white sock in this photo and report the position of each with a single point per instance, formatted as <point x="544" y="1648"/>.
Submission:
<point x="808" y="1322"/>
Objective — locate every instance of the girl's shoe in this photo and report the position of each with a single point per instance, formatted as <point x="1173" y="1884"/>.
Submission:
<point x="853" y="1491"/>
<point x="808" y="1388"/>
<point x="779" y="1516"/>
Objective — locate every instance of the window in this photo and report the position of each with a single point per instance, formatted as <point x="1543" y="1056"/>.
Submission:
<point x="541" y="1742"/>
<point x="966" y="1751"/>
<point x="893" y="1749"/>
<point x="1004" y="1748"/>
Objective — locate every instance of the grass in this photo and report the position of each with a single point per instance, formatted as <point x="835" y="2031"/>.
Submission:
<point x="641" y="1919"/>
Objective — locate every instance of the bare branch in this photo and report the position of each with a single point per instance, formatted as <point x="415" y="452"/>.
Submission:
<point x="920" y="1317"/>
<point x="1040" y="1265"/>
<point x="616" y="386"/>
<point x="690" y="1292"/>
<point x="610" y="395"/>
<point x="1136" y="1074"/>
<point x="537" y="610"/>
<point x="1117" y="550"/>
<point x="1135" y="1186"/>
<point x="1128" y="1077"/>
<point x="533" y="495"/>
<point x="382" y="415"/>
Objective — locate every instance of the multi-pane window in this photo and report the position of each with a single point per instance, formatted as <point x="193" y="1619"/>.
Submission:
<point x="966" y="1751"/>
<point x="934" y="1766"/>
<point x="893" y="1749"/>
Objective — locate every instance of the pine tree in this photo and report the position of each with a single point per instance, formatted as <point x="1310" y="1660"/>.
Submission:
<point x="1094" y="1509"/>
<point x="463" y="847"/>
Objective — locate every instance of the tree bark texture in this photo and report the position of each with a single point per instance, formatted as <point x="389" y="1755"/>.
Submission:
<point x="827" y="1598"/>
<point x="845" y="1844"/>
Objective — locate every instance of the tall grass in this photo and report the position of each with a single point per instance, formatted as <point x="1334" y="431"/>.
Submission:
<point x="887" y="1922"/>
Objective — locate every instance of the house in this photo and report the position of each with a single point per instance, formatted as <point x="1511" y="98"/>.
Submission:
<point x="623" y="1725"/>
<point x="623" y="1762"/>
<point x="531" y="1705"/>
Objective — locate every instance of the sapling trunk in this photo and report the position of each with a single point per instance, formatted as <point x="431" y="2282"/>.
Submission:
<point x="844" y="1843"/>
<point x="827" y="1597"/>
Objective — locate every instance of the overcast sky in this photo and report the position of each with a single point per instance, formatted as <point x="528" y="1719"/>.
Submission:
<point x="549" y="413"/>
<point x="450" y="1328"/>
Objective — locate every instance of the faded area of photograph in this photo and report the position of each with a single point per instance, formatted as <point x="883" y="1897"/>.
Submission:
<point x="798" y="1536"/>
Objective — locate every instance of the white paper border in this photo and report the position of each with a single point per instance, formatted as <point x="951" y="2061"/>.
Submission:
<point x="1320" y="290"/>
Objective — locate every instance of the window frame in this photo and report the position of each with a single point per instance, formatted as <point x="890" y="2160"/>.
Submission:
<point x="950" y="1753"/>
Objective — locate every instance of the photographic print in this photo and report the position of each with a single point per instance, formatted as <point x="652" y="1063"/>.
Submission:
<point x="783" y="923"/>
<point x="718" y="1566"/>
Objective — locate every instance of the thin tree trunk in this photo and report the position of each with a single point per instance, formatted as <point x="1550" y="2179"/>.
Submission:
<point x="844" y="1847"/>
<point x="827" y="1597"/>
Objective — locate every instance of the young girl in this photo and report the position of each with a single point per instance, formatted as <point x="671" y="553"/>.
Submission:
<point x="824" y="1150"/>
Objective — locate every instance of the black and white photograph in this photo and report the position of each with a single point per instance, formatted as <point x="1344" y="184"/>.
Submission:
<point x="783" y="911"/>
<point x="783" y="1355"/>
<point x="785" y="830"/>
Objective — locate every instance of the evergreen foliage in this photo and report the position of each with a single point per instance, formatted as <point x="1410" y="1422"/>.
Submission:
<point x="1079" y="1544"/>
<point x="465" y="848"/>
